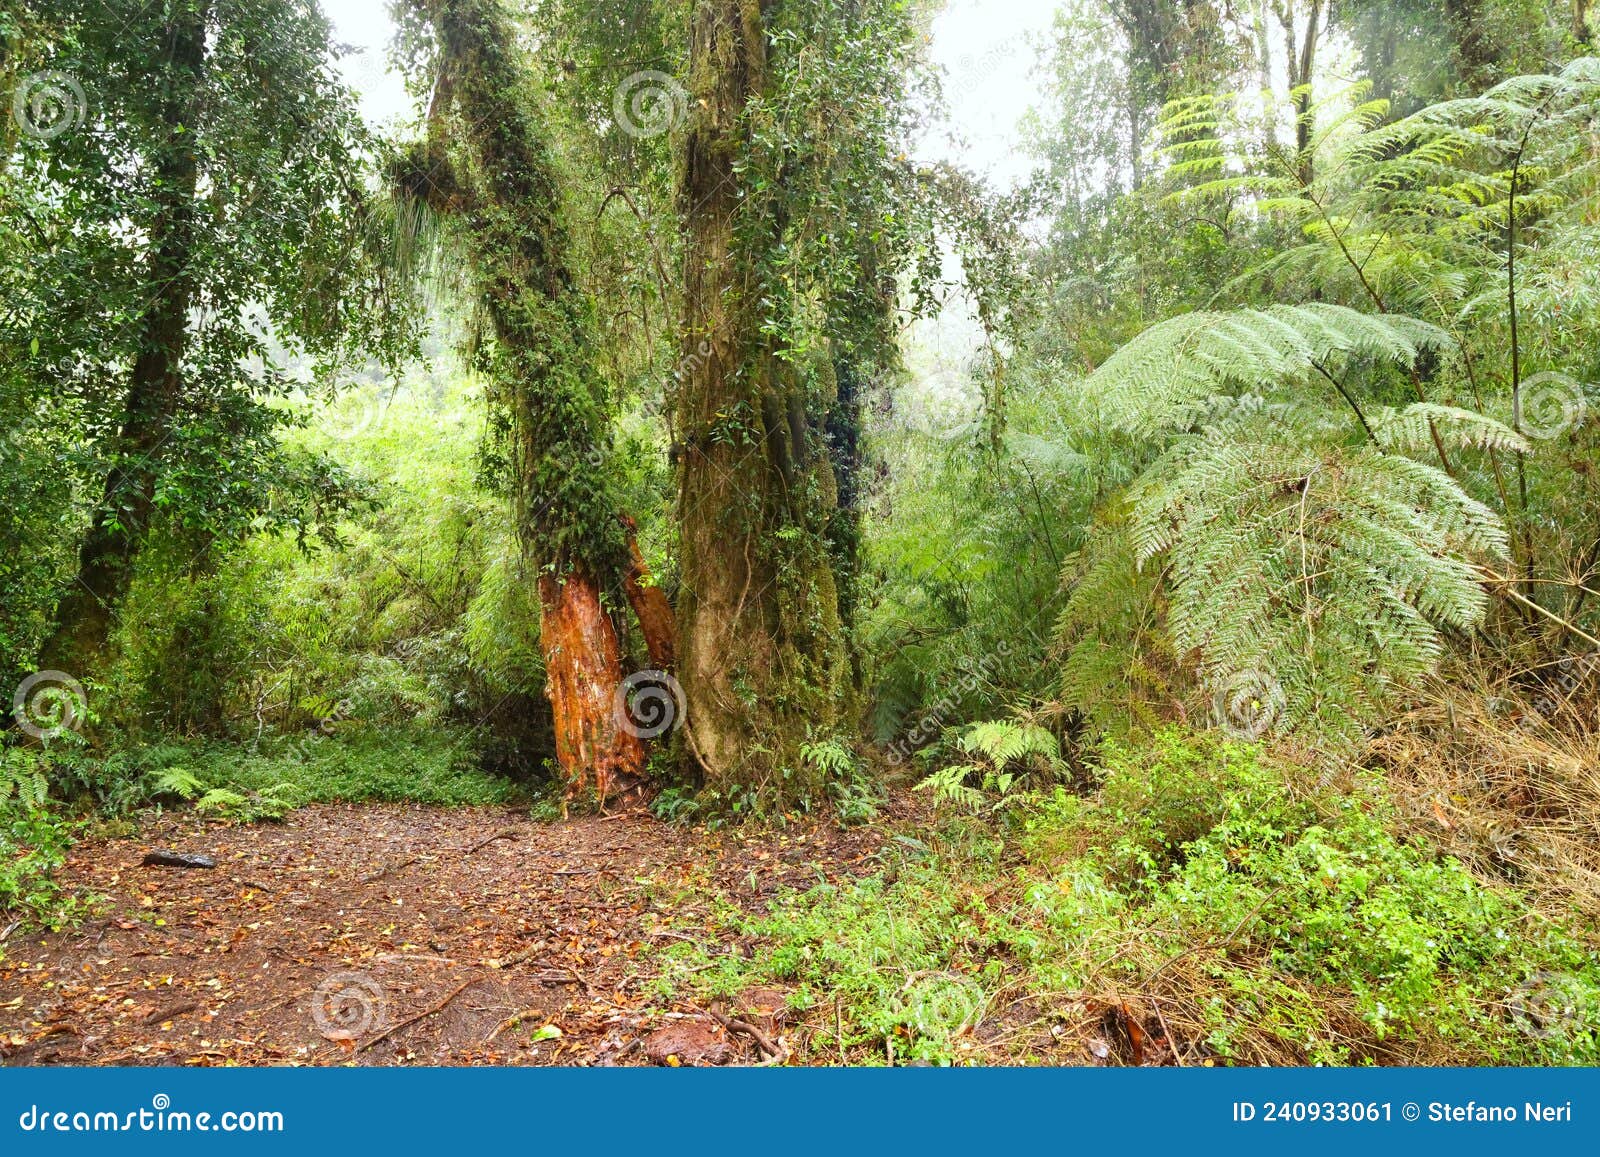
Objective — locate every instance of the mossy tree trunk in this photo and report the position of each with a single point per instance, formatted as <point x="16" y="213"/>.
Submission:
<point x="496" y="171"/>
<point x="762" y="653"/>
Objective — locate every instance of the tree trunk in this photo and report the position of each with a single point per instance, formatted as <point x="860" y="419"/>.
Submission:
<point x="650" y="606"/>
<point x="88" y="608"/>
<point x="509" y="198"/>
<point x="1475" y="49"/>
<point x="583" y="669"/>
<point x="1301" y="63"/>
<point x="761" y="645"/>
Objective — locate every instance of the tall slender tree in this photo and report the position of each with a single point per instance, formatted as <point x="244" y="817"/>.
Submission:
<point x="213" y="168"/>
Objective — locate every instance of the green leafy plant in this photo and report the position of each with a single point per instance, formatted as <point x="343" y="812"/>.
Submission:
<point x="1007" y="760"/>
<point x="35" y="837"/>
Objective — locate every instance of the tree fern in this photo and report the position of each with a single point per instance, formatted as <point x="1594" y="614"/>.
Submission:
<point x="1118" y="665"/>
<point x="1325" y="570"/>
<point x="1161" y="380"/>
<point x="1309" y="562"/>
<point x="1420" y="427"/>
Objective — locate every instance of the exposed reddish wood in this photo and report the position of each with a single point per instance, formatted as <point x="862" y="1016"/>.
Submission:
<point x="650" y="605"/>
<point x="583" y="668"/>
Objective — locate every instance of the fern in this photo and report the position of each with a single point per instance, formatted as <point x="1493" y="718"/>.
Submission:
<point x="222" y="799"/>
<point x="1165" y="378"/>
<point x="1119" y="665"/>
<point x="1422" y="426"/>
<point x="1009" y="755"/>
<point x="178" y="781"/>
<point x="1309" y="562"/>
<point x="22" y="779"/>
<point x="272" y="803"/>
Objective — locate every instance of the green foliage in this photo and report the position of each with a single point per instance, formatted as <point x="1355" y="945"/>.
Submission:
<point x="272" y="803"/>
<point x="1286" y="884"/>
<point x="199" y="244"/>
<point x="1008" y="755"/>
<point x="855" y="796"/>
<point x="1154" y="798"/>
<point x="1275" y="919"/>
<point x="1319" y="532"/>
<point x="413" y="765"/>
<point x="34" y="839"/>
<point x="1170" y="376"/>
<point x="904" y="960"/>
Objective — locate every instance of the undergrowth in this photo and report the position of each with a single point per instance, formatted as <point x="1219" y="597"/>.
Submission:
<point x="1237" y="905"/>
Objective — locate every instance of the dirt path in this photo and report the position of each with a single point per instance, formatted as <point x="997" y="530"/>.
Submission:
<point x="393" y="934"/>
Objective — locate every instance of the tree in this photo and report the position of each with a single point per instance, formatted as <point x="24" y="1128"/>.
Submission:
<point x="1174" y="47"/>
<point x="202" y="224"/>
<point x="793" y="166"/>
<point x="488" y="165"/>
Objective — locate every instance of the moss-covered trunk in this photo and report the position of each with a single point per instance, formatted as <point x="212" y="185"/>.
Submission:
<point x="762" y="654"/>
<point x="495" y="169"/>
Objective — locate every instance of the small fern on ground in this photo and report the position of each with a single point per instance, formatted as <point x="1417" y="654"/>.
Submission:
<point x="1006" y="759"/>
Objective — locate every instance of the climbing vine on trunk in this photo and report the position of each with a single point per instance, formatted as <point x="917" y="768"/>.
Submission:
<point x="488" y="163"/>
<point x="794" y="164"/>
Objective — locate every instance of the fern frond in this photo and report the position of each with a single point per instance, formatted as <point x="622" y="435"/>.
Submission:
<point x="1154" y="382"/>
<point x="1415" y="428"/>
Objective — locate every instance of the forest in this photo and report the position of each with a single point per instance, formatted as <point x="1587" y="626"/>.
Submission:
<point x="658" y="550"/>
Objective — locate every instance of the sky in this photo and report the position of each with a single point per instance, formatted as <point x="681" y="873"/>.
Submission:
<point x="982" y="45"/>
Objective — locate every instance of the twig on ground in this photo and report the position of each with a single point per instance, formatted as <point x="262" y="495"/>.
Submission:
<point x="427" y="1012"/>
<point x="504" y="834"/>
<point x="745" y="1028"/>
<point x="514" y="1019"/>
<point x="388" y="868"/>
<point x="166" y="1014"/>
<point x="1172" y="1042"/>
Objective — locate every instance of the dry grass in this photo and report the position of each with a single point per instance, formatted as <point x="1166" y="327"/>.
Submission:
<point x="1506" y="777"/>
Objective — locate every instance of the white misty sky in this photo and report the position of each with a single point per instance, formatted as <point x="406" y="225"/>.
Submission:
<point x="982" y="45"/>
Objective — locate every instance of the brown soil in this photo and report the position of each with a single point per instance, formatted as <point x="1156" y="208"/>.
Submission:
<point x="394" y="934"/>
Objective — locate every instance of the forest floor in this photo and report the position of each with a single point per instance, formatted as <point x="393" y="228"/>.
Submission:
<point x="400" y="934"/>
